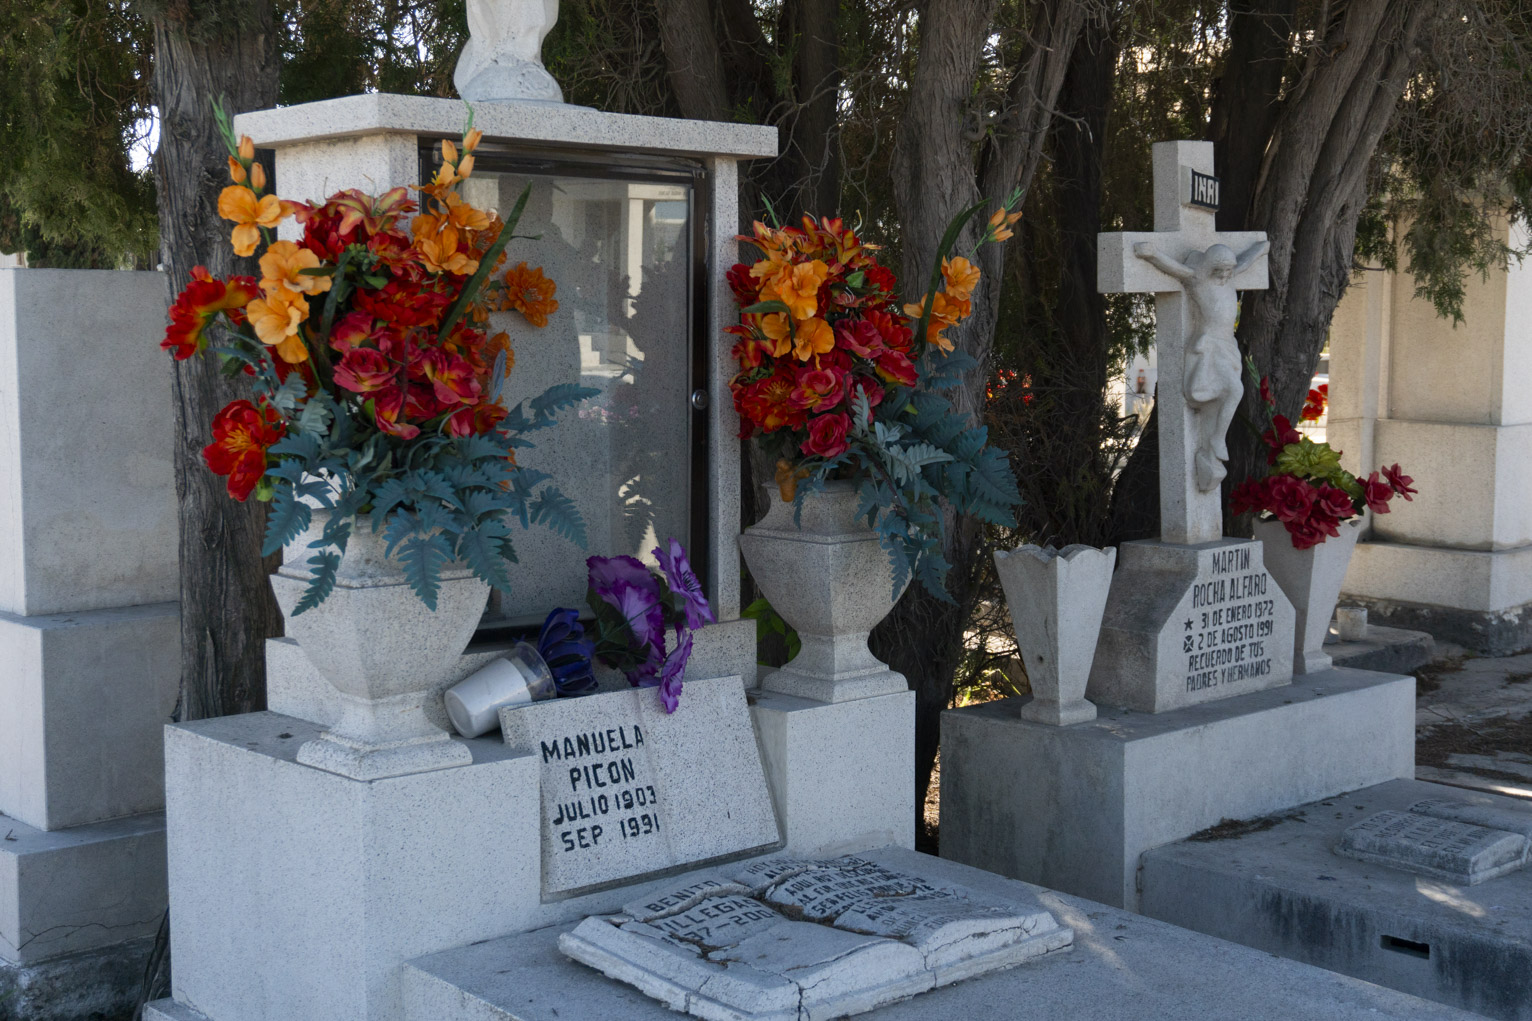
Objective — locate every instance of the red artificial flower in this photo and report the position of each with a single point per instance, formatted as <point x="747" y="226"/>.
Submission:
<point x="827" y="436"/>
<point x="195" y="307"/>
<point x="881" y="277"/>
<point x="387" y="407"/>
<point x="892" y="329"/>
<point x="1266" y="397"/>
<point x="351" y="329"/>
<point x="1377" y="494"/>
<point x="1289" y="498"/>
<point x="896" y="367"/>
<point x="403" y="304"/>
<point x="1250" y="497"/>
<point x="817" y="390"/>
<point x="860" y="337"/>
<point x="241" y="435"/>
<point x="451" y="377"/>
<point x="764" y="404"/>
<point x="1314" y="405"/>
<point x="1399" y="482"/>
<point x="364" y="370"/>
<point x="475" y="420"/>
<point x="1305" y="533"/>
<point x="744" y="286"/>
<point x="1278" y="437"/>
<point x="1335" y="503"/>
<point x="751" y="352"/>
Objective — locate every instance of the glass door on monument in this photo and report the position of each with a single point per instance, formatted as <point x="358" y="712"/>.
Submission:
<point x="623" y="242"/>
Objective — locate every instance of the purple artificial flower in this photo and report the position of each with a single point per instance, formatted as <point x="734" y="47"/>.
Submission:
<point x="641" y="609"/>
<point x="568" y="653"/>
<point x="683" y="581"/>
<point x="606" y="572"/>
<point x="675" y="666"/>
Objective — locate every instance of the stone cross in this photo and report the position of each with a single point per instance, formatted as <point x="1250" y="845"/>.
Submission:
<point x="1194" y="273"/>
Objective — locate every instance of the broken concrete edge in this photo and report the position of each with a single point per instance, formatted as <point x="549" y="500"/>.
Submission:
<point x="104" y="982"/>
<point x="1486" y="632"/>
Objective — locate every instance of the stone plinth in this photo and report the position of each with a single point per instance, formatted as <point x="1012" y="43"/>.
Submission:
<point x="1121" y="966"/>
<point x="1280" y="888"/>
<point x="87" y="494"/>
<point x="1449" y="403"/>
<point x="1073" y="808"/>
<point x="1186" y="625"/>
<point x="87" y="696"/>
<point x="842" y="774"/>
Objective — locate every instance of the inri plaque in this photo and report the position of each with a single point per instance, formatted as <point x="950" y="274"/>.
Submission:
<point x="628" y="791"/>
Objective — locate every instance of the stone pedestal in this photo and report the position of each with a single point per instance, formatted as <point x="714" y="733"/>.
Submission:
<point x="1186" y="625"/>
<point x="88" y="635"/>
<point x="1450" y="404"/>
<point x="1074" y="808"/>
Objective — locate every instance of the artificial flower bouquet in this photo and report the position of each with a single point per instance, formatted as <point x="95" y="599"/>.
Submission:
<point x="839" y="379"/>
<point x="377" y="387"/>
<point x="634" y="608"/>
<point x="1307" y="489"/>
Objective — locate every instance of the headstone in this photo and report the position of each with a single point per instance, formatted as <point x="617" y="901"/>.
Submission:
<point x="629" y="791"/>
<point x="1193" y="617"/>
<point x="798" y="939"/>
<point x="1458" y="852"/>
<point x="1508" y="816"/>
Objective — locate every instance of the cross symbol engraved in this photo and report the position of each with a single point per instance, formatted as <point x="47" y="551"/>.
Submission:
<point x="1194" y="273"/>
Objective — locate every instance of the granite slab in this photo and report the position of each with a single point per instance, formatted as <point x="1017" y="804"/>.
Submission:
<point x="628" y="790"/>
<point x="1444" y="848"/>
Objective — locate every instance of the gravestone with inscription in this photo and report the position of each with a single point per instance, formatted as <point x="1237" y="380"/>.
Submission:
<point x="629" y="791"/>
<point x="1193" y="616"/>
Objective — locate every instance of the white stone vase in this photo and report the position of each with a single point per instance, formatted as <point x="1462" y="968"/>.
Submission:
<point x="1311" y="579"/>
<point x="830" y="579"/>
<point x="1057" y="598"/>
<point x="384" y="651"/>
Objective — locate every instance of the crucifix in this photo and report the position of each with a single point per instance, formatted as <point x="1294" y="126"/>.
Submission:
<point x="1194" y="273"/>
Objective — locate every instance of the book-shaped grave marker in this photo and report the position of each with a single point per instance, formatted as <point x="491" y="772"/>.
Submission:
<point x="789" y="940"/>
<point x="1466" y="844"/>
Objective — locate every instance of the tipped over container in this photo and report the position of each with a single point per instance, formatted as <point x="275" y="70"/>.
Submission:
<point x="519" y="677"/>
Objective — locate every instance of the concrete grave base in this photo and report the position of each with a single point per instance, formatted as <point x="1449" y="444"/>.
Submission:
<point x="1121" y="966"/>
<point x="101" y="983"/>
<point x="1279" y="887"/>
<point x="76" y="890"/>
<point x="1072" y="808"/>
<point x="1390" y="650"/>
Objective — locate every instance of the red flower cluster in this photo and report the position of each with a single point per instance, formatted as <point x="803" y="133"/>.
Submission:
<point x="359" y="304"/>
<point x="1314" y="405"/>
<point x="827" y="326"/>
<point x="1310" y="511"/>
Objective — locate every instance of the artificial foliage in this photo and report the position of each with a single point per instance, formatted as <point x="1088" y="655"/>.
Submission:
<point x="839" y="380"/>
<point x="377" y="386"/>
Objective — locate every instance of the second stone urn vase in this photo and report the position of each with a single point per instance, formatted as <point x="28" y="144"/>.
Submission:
<point x="1057" y="598"/>
<point x="384" y="651"/>
<point x="830" y="579"/>
<point x="1311" y="579"/>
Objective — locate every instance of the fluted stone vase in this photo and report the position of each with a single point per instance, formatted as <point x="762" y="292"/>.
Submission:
<point x="1057" y="598"/>
<point x="384" y="651"/>
<point x="830" y="579"/>
<point x="1311" y="579"/>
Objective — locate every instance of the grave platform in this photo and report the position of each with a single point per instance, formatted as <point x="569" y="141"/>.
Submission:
<point x="1084" y="802"/>
<point x="1120" y="966"/>
<point x="1276" y="885"/>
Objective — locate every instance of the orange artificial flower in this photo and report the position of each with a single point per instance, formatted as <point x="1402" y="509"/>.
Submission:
<point x="250" y="214"/>
<point x="277" y="318"/>
<point x="462" y="215"/>
<point x="236" y="171"/>
<point x="246" y="148"/>
<point x="283" y="265"/>
<point x="440" y="253"/>
<point x="815" y="337"/>
<point x="472" y="139"/>
<point x="778" y="329"/>
<point x="798" y="288"/>
<point x="962" y="277"/>
<point x="257" y="177"/>
<point x="530" y="293"/>
<point x="1000" y="224"/>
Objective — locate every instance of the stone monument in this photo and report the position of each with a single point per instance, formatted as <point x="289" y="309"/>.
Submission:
<point x="502" y="60"/>
<point x="1198" y="719"/>
<point x="1192" y="616"/>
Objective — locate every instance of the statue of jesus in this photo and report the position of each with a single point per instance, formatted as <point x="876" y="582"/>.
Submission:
<point x="1214" y="382"/>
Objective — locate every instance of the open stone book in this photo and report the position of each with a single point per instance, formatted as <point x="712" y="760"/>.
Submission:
<point x="800" y="940"/>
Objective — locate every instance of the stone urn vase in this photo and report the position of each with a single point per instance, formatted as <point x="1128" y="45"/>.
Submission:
<point x="384" y="651"/>
<point x="830" y="579"/>
<point x="1311" y="579"/>
<point x="1057" y="598"/>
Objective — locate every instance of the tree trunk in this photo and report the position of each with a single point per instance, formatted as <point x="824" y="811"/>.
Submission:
<point x="936" y="175"/>
<point x="204" y="51"/>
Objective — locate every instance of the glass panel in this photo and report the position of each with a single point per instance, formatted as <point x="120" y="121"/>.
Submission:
<point x="620" y="253"/>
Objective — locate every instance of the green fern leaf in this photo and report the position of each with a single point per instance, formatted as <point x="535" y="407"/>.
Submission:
<point x="423" y="558"/>
<point x="285" y="521"/>
<point x="480" y="548"/>
<point x="321" y="581"/>
<point x="557" y="511"/>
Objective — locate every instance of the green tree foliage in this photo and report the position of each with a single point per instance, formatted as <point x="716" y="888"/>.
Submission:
<point x="75" y="101"/>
